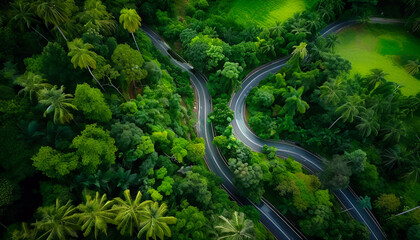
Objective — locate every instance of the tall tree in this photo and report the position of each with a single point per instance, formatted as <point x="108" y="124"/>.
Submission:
<point x="376" y="78"/>
<point x="82" y="57"/>
<point x="131" y="21"/>
<point x="331" y="41"/>
<point x="365" y="203"/>
<point x="332" y="91"/>
<point x="153" y="221"/>
<point x="55" y="12"/>
<point x="56" y="222"/>
<point x="294" y="101"/>
<point x="31" y="83"/>
<point x="128" y="212"/>
<point x="236" y="228"/>
<point x="57" y="101"/>
<point x="95" y="13"/>
<point x="300" y="50"/>
<point x="95" y="214"/>
<point x="92" y="102"/>
<point x="413" y="67"/>
<point x="369" y="123"/>
<point x="350" y="109"/>
<point x="300" y="27"/>
<point x="23" y="16"/>
<point x="276" y="30"/>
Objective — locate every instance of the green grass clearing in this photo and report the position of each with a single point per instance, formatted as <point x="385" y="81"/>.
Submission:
<point x="386" y="47"/>
<point x="265" y="13"/>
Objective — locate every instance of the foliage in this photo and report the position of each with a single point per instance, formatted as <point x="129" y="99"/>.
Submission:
<point x="236" y="228"/>
<point x="56" y="221"/>
<point x="145" y="147"/>
<point x="95" y="148"/>
<point x="130" y="64"/>
<point x="191" y="224"/>
<point x="58" y="102"/>
<point x="221" y="116"/>
<point x="388" y="203"/>
<point x="128" y="212"/>
<point x="55" y="164"/>
<point x="91" y="101"/>
<point x="127" y="135"/>
<point x="153" y="223"/>
<point x="95" y="213"/>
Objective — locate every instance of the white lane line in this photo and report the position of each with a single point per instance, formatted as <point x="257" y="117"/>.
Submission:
<point x="264" y="214"/>
<point x="357" y="211"/>
<point x="205" y="112"/>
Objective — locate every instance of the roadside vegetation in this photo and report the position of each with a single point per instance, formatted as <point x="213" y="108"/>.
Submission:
<point x="97" y="127"/>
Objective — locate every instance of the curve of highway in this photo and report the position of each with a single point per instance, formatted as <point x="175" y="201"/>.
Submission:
<point x="272" y="219"/>
<point x="310" y="161"/>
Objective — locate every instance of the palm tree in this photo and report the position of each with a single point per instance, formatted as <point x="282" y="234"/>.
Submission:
<point x="332" y="91"/>
<point x="317" y="48"/>
<point x="395" y="156"/>
<point x="393" y="130"/>
<point x="300" y="26"/>
<point x="131" y="21"/>
<point x="24" y="234"/>
<point x="294" y="101"/>
<point x="368" y="123"/>
<point x="128" y="212"/>
<point x="153" y="222"/>
<point x="57" y="101"/>
<point x="350" y="109"/>
<point x="413" y="170"/>
<point x="376" y="78"/>
<point x="314" y="22"/>
<point x="31" y="83"/>
<point x="23" y="16"/>
<point x="326" y="14"/>
<point x="268" y="46"/>
<point x="364" y="202"/>
<point x="57" y="221"/>
<point x="95" y="13"/>
<point x="236" y="228"/>
<point x="331" y="41"/>
<point x="332" y="5"/>
<point x="300" y="50"/>
<point x="55" y="12"/>
<point x="276" y="30"/>
<point x="82" y="57"/>
<point x="413" y="67"/>
<point x="95" y="213"/>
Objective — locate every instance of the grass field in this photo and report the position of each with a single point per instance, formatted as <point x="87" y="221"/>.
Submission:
<point x="265" y="13"/>
<point x="386" y="47"/>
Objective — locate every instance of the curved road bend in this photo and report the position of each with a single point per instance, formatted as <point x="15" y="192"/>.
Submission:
<point x="273" y="220"/>
<point x="310" y="161"/>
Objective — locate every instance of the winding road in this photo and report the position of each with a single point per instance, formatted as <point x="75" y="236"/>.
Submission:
<point x="272" y="219"/>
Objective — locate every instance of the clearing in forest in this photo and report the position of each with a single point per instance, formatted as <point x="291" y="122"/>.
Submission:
<point x="386" y="47"/>
<point x="265" y="13"/>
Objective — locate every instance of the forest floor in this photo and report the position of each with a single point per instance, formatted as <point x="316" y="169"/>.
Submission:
<point x="387" y="47"/>
<point x="265" y="13"/>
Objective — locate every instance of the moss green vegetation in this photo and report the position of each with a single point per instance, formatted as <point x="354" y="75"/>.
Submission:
<point x="266" y="13"/>
<point x="386" y="47"/>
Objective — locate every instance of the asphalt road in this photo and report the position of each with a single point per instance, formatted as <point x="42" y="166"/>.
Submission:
<point x="310" y="161"/>
<point x="272" y="219"/>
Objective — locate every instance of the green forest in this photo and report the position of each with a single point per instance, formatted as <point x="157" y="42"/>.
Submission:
<point x="107" y="118"/>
